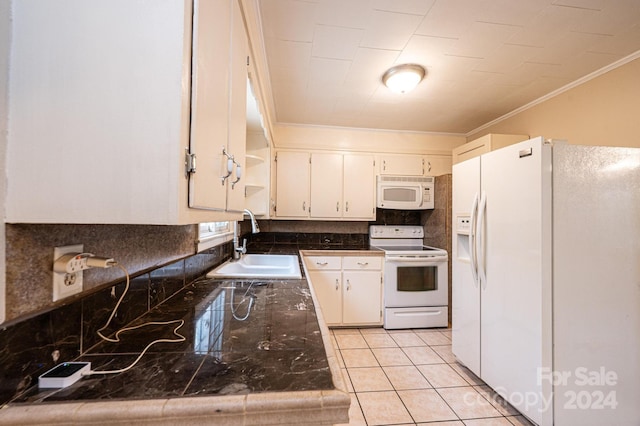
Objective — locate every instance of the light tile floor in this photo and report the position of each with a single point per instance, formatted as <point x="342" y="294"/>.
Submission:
<point x="410" y="377"/>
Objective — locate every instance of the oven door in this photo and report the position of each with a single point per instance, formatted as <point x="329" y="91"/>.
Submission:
<point x="415" y="281"/>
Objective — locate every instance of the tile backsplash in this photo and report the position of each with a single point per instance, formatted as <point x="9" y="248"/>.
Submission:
<point x="29" y="257"/>
<point x="32" y="346"/>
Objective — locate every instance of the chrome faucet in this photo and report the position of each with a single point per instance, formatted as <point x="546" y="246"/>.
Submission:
<point x="239" y="250"/>
<point x="254" y="223"/>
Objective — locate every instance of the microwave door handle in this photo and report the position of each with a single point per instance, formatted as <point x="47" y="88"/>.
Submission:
<point x="421" y="191"/>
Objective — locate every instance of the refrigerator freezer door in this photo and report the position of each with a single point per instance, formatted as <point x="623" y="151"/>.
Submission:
<point x="514" y="257"/>
<point x="465" y="303"/>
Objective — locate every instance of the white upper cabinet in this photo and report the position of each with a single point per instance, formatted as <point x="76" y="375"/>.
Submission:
<point x="292" y="184"/>
<point x="342" y="186"/>
<point x="326" y="185"/>
<point x="100" y="110"/>
<point x="414" y="164"/>
<point x="359" y="187"/>
<point x="484" y="144"/>
<point x="401" y="164"/>
<point x="436" y="165"/>
<point x="218" y="115"/>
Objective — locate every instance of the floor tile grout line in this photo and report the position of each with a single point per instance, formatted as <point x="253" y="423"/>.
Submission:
<point x="396" y="391"/>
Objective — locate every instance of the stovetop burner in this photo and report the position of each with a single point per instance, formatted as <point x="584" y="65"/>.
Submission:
<point x="401" y="240"/>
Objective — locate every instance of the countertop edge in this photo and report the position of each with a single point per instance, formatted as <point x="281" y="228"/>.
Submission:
<point x="326" y="252"/>
<point x="324" y="407"/>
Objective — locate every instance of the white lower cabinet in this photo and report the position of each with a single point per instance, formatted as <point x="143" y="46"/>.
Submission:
<point x="348" y="288"/>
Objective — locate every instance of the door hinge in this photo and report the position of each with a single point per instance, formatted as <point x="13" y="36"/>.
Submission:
<point x="189" y="162"/>
<point x="275" y="158"/>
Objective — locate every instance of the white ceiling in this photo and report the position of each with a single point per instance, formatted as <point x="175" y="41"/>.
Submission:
<point x="484" y="58"/>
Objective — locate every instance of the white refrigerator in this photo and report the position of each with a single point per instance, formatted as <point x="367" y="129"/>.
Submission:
<point x="546" y="279"/>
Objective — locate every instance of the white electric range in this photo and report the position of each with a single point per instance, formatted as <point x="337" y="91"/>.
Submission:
<point x="415" y="277"/>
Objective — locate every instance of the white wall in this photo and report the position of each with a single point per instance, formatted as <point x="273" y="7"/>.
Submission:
<point x="5" y="37"/>
<point x="602" y="111"/>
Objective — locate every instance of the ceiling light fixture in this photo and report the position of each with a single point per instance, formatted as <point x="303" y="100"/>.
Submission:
<point x="403" y="78"/>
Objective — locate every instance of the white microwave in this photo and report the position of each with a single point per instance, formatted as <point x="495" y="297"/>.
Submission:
<point x="405" y="192"/>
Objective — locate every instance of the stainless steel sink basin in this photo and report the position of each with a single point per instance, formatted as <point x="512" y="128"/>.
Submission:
<point x="259" y="266"/>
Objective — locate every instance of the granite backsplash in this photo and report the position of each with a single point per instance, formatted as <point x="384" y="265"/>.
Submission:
<point x="34" y="345"/>
<point x="29" y="256"/>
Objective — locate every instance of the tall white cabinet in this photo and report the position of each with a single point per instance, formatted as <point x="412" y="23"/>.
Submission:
<point x="104" y="110"/>
<point x="218" y="113"/>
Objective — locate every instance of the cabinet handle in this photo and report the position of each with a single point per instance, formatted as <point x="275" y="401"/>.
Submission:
<point x="338" y="206"/>
<point x="337" y="285"/>
<point x="384" y="165"/>
<point x="363" y="263"/>
<point x="230" y="162"/>
<point x="348" y="285"/>
<point x="346" y="206"/>
<point x="428" y="166"/>
<point x="322" y="263"/>
<point x="304" y="206"/>
<point x="238" y="176"/>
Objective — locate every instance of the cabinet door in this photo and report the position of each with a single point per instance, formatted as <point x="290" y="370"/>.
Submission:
<point x="210" y="103"/>
<point x="406" y="165"/>
<point x="362" y="297"/>
<point x="237" y="109"/>
<point x="359" y="187"/>
<point x="292" y="184"/>
<point x="326" y="185"/>
<point x="99" y="108"/>
<point x="327" y="287"/>
<point x="436" y="165"/>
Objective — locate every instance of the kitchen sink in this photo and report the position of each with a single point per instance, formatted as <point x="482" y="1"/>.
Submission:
<point x="259" y="266"/>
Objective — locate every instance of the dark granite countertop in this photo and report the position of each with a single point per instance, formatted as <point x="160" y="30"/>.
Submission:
<point x="276" y="346"/>
<point x="274" y="358"/>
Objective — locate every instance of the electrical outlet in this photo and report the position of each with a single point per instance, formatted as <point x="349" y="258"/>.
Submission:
<point x="66" y="284"/>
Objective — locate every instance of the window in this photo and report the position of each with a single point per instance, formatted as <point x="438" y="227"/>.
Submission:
<point x="211" y="234"/>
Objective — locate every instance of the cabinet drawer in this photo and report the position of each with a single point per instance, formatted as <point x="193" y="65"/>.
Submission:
<point x="323" y="262"/>
<point x="362" y="262"/>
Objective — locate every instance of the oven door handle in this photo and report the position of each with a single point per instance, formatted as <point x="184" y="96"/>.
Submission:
<point x="415" y="259"/>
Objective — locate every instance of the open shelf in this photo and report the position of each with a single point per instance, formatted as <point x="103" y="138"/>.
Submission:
<point x="253" y="159"/>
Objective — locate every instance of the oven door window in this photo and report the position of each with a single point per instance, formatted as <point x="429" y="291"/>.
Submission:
<point x="417" y="278"/>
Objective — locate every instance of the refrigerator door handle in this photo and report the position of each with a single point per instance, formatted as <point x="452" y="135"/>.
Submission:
<point x="472" y="236"/>
<point x="480" y="241"/>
